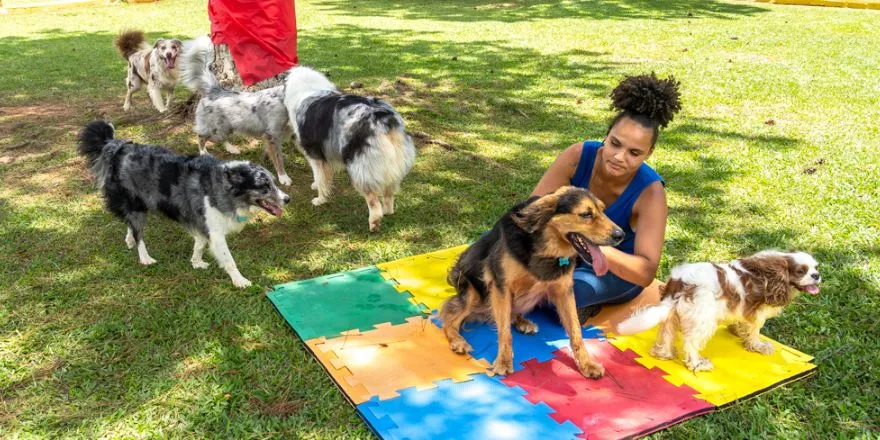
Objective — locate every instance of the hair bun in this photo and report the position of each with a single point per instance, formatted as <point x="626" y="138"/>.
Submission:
<point x="657" y="99"/>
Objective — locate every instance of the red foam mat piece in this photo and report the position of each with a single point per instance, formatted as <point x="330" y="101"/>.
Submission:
<point x="630" y="401"/>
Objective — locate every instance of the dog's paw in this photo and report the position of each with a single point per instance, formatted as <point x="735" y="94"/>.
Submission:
<point x="200" y="265"/>
<point x="664" y="353"/>
<point x="502" y="367"/>
<point x="284" y="179"/>
<point x="762" y="347"/>
<point x="126" y="107"/>
<point x="129" y="241"/>
<point x="701" y="364"/>
<point x="592" y="370"/>
<point x="318" y="201"/>
<point x="241" y="282"/>
<point x="460" y="346"/>
<point x="526" y="327"/>
<point x="148" y="260"/>
<point x="315" y="185"/>
<point x="375" y="226"/>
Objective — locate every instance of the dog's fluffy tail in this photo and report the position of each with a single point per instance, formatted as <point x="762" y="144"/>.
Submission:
<point x="195" y="70"/>
<point x="645" y="318"/>
<point x="93" y="138"/>
<point x="129" y="42"/>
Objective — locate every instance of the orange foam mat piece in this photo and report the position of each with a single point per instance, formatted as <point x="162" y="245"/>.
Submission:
<point x="393" y="357"/>
<point x="424" y="276"/>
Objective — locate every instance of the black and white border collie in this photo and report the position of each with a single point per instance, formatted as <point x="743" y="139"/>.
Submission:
<point x="363" y="135"/>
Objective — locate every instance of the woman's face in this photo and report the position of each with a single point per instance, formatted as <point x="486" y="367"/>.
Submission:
<point x="626" y="147"/>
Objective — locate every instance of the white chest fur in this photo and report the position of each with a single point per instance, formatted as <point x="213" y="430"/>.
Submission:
<point x="220" y="223"/>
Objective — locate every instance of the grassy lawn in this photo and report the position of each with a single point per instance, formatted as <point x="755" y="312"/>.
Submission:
<point x="776" y="148"/>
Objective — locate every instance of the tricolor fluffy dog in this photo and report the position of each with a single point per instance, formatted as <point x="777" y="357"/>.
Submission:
<point x="748" y="290"/>
<point x="211" y="198"/>
<point x="221" y="112"/>
<point x="363" y="135"/>
<point x="155" y="67"/>
<point x="528" y="257"/>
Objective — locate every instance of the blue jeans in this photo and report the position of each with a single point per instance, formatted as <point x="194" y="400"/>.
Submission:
<point x="591" y="289"/>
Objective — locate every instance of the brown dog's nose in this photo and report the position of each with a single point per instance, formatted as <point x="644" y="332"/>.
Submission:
<point x="618" y="234"/>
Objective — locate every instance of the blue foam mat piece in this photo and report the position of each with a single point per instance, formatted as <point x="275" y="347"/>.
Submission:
<point x="551" y="336"/>
<point x="480" y="409"/>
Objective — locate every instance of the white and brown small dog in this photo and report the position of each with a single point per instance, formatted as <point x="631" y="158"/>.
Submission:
<point x="748" y="290"/>
<point x="154" y="66"/>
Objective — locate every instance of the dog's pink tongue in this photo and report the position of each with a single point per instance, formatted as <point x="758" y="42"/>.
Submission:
<point x="169" y="62"/>
<point x="600" y="264"/>
<point x="812" y="290"/>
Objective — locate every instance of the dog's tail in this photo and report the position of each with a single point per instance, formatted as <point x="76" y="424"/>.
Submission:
<point x="645" y="318"/>
<point x="129" y="42"/>
<point x="195" y="70"/>
<point x="93" y="138"/>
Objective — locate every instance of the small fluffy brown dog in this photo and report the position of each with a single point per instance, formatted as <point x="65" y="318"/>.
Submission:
<point x="155" y="67"/>
<point x="528" y="257"/>
<point x="748" y="290"/>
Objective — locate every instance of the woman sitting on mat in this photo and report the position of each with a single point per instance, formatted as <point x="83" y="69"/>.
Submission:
<point x="634" y="195"/>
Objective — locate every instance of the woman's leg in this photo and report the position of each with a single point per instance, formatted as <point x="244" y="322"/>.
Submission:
<point x="591" y="291"/>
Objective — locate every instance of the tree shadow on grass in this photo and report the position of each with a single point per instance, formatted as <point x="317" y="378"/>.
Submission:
<point x="528" y="10"/>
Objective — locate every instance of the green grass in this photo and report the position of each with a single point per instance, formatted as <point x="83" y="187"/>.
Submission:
<point x="94" y="345"/>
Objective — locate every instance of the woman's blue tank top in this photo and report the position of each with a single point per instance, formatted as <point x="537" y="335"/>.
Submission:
<point x="620" y="211"/>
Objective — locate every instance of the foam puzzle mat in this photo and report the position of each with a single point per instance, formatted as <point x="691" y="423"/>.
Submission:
<point x="374" y="332"/>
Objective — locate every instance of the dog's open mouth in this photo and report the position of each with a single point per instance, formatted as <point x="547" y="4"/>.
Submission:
<point x="170" y="60"/>
<point x="589" y="252"/>
<point x="270" y="207"/>
<point x="812" y="289"/>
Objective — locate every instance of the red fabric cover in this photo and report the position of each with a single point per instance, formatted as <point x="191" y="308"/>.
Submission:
<point x="260" y="34"/>
<point x="630" y="401"/>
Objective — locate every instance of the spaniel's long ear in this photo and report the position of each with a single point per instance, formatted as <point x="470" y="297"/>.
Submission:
<point x="774" y="272"/>
<point x="536" y="213"/>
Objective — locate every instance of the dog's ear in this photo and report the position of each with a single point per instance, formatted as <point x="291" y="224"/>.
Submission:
<point x="774" y="272"/>
<point x="535" y="213"/>
<point x="158" y="42"/>
<point x="177" y="43"/>
<point x="236" y="175"/>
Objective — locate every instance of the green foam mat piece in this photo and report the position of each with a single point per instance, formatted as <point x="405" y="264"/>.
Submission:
<point x="353" y="300"/>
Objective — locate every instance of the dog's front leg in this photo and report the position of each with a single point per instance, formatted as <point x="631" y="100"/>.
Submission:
<point x="156" y="97"/>
<point x="224" y="259"/>
<point x="750" y="332"/>
<point x="563" y="299"/>
<point x="198" y="252"/>
<point x="501" y="300"/>
<point x="170" y="92"/>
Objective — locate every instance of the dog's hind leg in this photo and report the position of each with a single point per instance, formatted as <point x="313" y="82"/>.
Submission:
<point x="323" y="175"/>
<point x="375" y="207"/>
<point x="170" y="94"/>
<point x="132" y="84"/>
<point x="198" y="252"/>
<point x="524" y="325"/>
<point x="130" y="242"/>
<point x="751" y="337"/>
<point x="664" y="347"/>
<point x="388" y="201"/>
<point x="563" y="299"/>
<point x="695" y="334"/>
<point x="273" y="145"/>
<point x="453" y="313"/>
<point x="224" y="258"/>
<point x="136" y="222"/>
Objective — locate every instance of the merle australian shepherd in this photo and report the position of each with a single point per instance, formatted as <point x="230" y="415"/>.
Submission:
<point x="208" y="196"/>
<point x="528" y="257"/>
<point x="221" y="112"/>
<point x="363" y="135"/>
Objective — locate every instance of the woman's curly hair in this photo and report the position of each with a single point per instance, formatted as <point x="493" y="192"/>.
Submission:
<point x="646" y="95"/>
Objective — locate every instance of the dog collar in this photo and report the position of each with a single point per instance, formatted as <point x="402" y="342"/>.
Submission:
<point x="242" y="219"/>
<point x="563" y="261"/>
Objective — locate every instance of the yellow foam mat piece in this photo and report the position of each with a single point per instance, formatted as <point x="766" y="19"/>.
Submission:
<point x="424" y="276"/>
<point x="828" y="3"/>
<point x="383" y="361"/>
<point x="738" y="373"/>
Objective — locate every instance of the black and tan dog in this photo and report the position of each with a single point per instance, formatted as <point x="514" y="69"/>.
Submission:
<point x="528" y="257"/>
